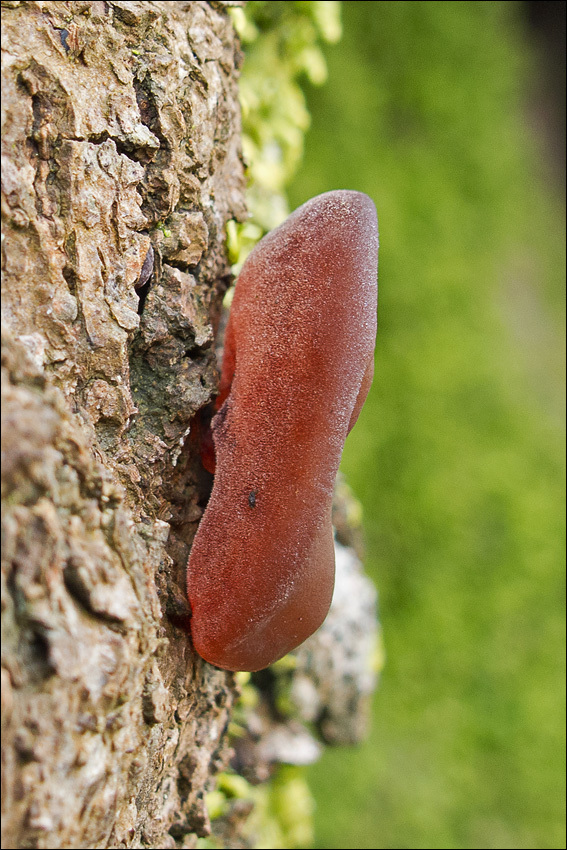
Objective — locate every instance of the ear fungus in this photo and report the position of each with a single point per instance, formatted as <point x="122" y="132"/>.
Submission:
<point x="298" y="364"/>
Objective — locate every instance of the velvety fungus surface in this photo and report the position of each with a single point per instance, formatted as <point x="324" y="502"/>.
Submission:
<point x="298" y="363"/>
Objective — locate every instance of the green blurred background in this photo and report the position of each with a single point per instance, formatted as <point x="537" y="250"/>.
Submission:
<point x="442" y="113"/>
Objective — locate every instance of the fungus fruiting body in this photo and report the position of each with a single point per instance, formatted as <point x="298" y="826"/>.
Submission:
<point x="298" y="364"/>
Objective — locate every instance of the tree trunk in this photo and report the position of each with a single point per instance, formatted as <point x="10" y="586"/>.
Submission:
<point x="121" y="158"/>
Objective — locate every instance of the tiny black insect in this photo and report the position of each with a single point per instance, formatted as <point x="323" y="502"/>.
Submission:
<point x="252" y="498"/>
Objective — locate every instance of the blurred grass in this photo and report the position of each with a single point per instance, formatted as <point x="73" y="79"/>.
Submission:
<point x="458" y="456"/>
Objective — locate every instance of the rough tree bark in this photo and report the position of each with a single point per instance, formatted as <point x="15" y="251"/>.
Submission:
<point x="120" y="143"/>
